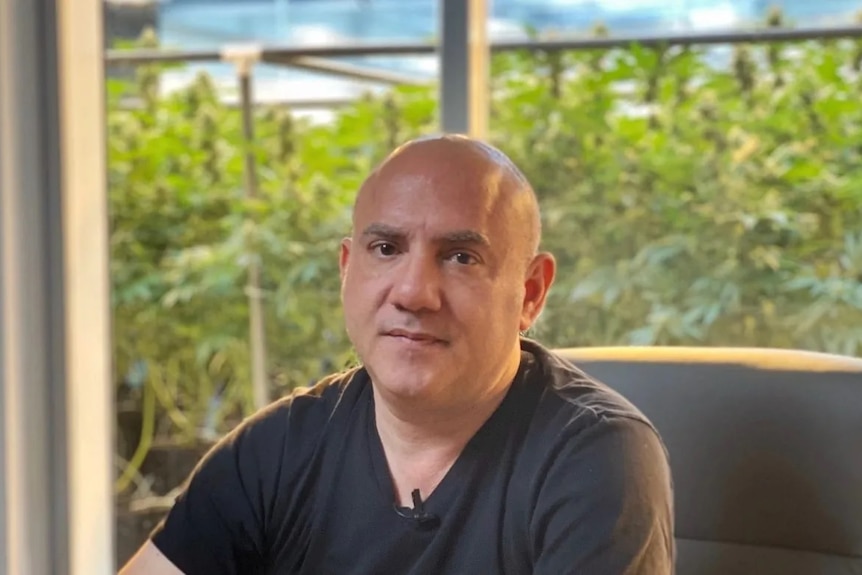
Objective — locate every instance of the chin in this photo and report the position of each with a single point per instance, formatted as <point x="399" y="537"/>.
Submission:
<point x="402" y="391"/>
<point x="404" y="379"/>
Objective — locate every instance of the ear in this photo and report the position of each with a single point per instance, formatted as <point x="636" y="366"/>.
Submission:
<point x="540" y="276"/>
<point x="344" y="258"/>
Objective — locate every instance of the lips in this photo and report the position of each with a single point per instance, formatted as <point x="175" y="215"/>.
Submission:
<point x="418" y="337"/>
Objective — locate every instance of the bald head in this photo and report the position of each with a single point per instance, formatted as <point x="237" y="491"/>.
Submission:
<point x="461" y="169"/>
<point x="442" y="273"/>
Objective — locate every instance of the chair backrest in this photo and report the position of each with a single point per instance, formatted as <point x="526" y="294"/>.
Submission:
<point x="765" y="448"/>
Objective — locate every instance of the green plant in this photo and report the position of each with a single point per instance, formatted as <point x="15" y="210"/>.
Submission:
<point x="691" y="196"/>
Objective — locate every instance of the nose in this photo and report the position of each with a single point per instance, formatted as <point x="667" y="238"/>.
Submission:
<point x="416" y="284"/>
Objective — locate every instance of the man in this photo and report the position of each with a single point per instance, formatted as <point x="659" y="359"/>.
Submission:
<point x="458" y="447"/>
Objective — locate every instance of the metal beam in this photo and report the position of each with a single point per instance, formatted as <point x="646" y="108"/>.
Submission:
<point x="340" y="69"/>
<point x="233" y="102"/>
<point x="464" y="71"/>
<point x="688" y="39"/>
<point x="56" y="395"/>
<point x="275" y="53"/>
<point x="138" y="57"/>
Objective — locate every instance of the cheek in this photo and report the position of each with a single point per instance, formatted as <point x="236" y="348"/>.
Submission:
<point x="360" y="292"/>
<point x="504" y="307"/>
<point x="487" y="304"/>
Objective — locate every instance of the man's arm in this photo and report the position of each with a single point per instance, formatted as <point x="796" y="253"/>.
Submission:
<point x="606" y="504"/>
<point x="149" y="561"/>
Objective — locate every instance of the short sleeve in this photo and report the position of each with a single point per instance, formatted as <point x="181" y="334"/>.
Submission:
<point x="216" y="526"/>
<point x="605" y="506"/>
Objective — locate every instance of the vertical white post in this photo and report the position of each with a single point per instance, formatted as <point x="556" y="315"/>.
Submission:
<point x="84" y="205"/>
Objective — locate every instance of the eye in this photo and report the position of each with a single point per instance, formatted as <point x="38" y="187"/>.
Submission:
<point x="464" y="258"/>
<point x="385" y="249"/>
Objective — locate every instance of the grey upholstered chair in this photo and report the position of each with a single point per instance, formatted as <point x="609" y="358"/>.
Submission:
<point x="765" y="448"/>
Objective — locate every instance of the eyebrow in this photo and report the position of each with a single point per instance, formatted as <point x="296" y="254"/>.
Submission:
<point x="455" y="237"/>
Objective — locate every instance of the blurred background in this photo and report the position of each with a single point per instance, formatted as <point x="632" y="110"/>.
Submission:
<point x="696" y="194"/>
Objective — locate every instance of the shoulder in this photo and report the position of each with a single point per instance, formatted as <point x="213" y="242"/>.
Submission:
<point x="235" y="494"/>
<point x="596" y="463"/>
<point x="571" y="400"/>
<point x="335" y="391"/>
<point x="305" y="412"/>
<point x="284" y="433"/>
<point x="581" y="428"/>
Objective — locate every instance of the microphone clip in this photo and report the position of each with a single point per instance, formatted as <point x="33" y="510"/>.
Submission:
<point x="421" y="518"/>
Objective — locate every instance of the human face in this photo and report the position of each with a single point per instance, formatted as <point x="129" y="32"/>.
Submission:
<point x="434" y="282"/>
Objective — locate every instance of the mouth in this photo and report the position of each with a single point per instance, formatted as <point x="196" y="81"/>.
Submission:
<point x="415" y="337"/>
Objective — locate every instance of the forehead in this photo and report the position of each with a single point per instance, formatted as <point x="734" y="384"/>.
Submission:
<point x="452" y="191"/>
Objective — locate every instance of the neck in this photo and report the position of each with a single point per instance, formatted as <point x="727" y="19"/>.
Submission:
<point x="421" y="444"/>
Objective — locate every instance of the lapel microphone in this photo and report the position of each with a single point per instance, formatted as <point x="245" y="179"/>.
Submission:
<point x="421" y="518"/>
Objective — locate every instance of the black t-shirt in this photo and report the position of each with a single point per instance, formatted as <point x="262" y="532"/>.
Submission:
<point x="565" y="477"/>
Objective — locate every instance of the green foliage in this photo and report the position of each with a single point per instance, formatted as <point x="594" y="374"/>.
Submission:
<point x="695" y="197"/>
<point x="691" y="196"/>
<point x="184" y="231"/>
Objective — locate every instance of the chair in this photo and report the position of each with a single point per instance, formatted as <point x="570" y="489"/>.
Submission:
<point x="765" y="449"/>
